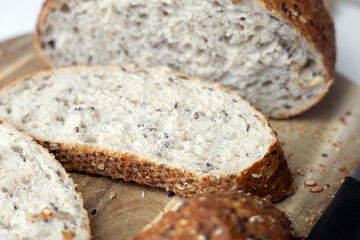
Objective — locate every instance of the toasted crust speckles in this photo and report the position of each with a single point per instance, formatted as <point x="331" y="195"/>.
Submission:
<point x="269" y="177"/>
<point x="221" y="215"/>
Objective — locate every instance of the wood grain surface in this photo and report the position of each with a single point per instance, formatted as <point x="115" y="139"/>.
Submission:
<point x="322" y="144"/>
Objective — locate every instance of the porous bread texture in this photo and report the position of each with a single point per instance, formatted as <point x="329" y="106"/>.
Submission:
<point x="38" y="200"/>
<point x="149" y="126"/>
<point x="222" y="215"/>
<point x="247" y="46"/>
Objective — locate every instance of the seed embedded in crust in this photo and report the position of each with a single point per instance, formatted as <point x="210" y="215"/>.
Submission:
<point x="316" y="189"/>
<point x="101" y="166"/>
<point x="46" y="213"/>
<point x="310" y="182"/>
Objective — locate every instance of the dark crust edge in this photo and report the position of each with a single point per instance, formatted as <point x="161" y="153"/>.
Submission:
<point x="323" y="41"/>
<point x="229" y="211"/>
<point x="277" y="183"/>
<point x="80" y="196"/>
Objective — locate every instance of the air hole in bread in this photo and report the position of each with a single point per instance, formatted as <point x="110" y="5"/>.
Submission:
<point x="144" y="16"/>
<point x="59" y="173"/>
<point x="267" y="83"/>
<point x="48" y="30"/>
<point x="25" y="119"/>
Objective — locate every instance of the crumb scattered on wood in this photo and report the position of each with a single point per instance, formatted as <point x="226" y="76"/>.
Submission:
<point x="310" y="182"/>
<point x="343" y="170"/>
<point x="316" y="189"/>
<point x="112" y="195"/>
<point x="352" y="163"/>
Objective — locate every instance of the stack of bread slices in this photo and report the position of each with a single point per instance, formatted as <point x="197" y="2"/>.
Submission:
<point x="178" y="118"/>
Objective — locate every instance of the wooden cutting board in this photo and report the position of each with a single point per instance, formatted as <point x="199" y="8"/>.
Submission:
<point x="322" y="144"/>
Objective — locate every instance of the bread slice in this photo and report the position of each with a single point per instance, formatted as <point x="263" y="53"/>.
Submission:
<point x="152" y="127"/>
<point x="279" y="55"/>
<point x="222" y="215"/>
<point x="38" y="200"/>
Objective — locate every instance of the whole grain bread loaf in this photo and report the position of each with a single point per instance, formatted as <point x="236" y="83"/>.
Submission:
<point x="279" y="55"/>
<point x="152" y="127"/>
<point x="230" y="215"/>
<point x="38" y="199"/>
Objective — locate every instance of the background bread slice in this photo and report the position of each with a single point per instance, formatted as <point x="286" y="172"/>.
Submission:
<point x="38" y="200"/>
<point x="222" y="215"/>
<point x="150" y="126"/>
<point x="279" y="55"/>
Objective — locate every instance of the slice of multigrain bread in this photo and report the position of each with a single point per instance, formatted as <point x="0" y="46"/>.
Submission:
<point x="279" y="55"/>
<point x="230" y="215"/>
<point x="150" y="126"/>
<point x="38" y="200"/>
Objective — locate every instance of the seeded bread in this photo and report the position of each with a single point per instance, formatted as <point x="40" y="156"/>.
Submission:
<point x="279" y="55"/>
<point x="38" y="200"/>
<point x="223" y="215"/>
<point x="152" y="127"/>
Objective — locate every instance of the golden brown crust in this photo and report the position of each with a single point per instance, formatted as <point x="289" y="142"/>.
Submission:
<point x="230" y="215"/>
<point x="269" y="177"/>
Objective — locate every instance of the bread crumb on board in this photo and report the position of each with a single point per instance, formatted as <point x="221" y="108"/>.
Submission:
<point x="112" y="195"/>
<point x="316" y="189"/>
<point x="310" y="182"/>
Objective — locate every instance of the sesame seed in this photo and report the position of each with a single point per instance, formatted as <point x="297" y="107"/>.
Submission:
<point x="101" y="166"/>
<point x="316" y="189"/>
<point x="310" y="182"/>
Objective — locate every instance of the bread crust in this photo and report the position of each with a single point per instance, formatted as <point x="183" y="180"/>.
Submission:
<point x="309" y="19"/>
<point x="231" y="215"/>
<point x="80" y="196"/>
<point x="269" y="177"/>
